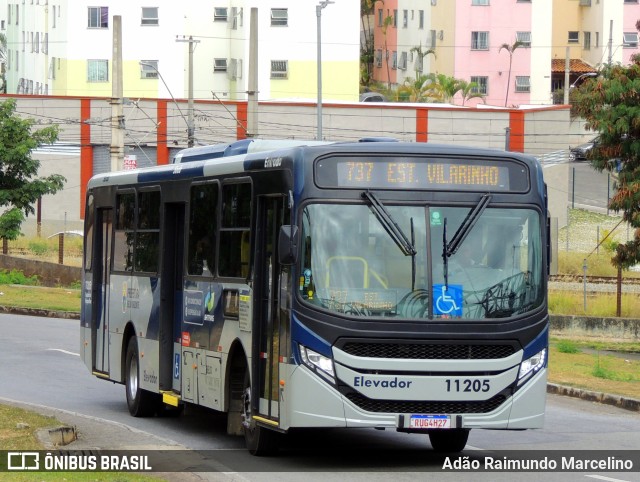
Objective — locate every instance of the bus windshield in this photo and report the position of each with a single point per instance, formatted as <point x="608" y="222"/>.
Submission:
<point x="352" y="264"/>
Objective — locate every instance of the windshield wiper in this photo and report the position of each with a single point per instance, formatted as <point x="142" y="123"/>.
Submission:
<point x="389" y="225"/>
<point x="450" y="248"/>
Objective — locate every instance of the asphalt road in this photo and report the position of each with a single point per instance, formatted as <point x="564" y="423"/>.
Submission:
<point x="41" y="369"/>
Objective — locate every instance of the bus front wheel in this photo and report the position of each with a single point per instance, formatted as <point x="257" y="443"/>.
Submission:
<point x="141" y="403"/>
<point x="259" y="440"/>
<point x="449" y="440"/>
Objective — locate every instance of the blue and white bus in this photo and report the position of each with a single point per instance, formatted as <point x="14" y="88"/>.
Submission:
<point x="381" y="285"/>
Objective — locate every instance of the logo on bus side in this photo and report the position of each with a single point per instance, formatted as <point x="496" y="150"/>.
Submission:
<point x="273" y="162"/>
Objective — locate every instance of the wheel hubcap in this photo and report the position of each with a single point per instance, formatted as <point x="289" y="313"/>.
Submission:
<point x="133" y="378"/>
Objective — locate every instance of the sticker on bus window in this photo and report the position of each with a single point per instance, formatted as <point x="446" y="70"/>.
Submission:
<point x="447" y="300"/>
<point x="436" y="218"/>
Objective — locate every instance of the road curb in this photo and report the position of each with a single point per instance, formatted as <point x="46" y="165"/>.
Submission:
<point x="605" y="398"/>
<point x="13" y="310"/>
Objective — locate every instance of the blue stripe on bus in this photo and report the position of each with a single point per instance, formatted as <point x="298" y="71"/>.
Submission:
<point x="178" y="171"/>
<point x="536" y="345"/>
<point x="302" y="335"/>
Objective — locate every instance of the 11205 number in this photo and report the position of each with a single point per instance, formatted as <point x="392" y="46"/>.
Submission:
<point x="467" y="385"/>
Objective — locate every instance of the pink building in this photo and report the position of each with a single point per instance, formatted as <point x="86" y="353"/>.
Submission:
<point x="474" y="40"/>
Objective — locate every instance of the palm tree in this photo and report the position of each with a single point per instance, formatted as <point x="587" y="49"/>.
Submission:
<point x="420" y="54"/>
<point x="467" y="90"/>
<point x="3" y="63"/>
<point x="422" y="89"/>
<point x="450" y="86"/>
<point x="511" y="49"/>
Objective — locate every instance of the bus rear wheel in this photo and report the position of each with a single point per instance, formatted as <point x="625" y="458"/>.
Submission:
<point x="260" y="441"/>
<point x="449" y="440"/>
<point x="141" y="403"/>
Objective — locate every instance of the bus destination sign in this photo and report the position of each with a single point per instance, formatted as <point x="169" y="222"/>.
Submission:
<point x="421" y="173"/>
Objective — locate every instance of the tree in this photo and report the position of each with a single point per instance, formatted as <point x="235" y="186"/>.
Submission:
<point x="468" y="91"/>
<point x="422" y="89"/>
<point x="3" y="62"/>
<point x="19" y="186"/>
<point x="420" y="55"/>
<point x="511" y="49"/>
<point x="367" y="8"/>
<point x="449" y="86"/>
<point x="610" y="105"/>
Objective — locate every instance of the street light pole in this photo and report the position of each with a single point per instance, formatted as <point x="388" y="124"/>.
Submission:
<point x="319" y="8"/>
<point x="586" y="74"/>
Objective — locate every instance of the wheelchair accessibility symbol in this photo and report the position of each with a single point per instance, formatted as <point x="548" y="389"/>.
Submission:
<point x="447" y="300"/>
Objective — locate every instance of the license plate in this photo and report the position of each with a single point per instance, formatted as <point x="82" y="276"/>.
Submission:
<point x="430" y="421"/>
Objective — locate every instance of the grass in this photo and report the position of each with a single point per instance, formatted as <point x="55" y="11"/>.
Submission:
<point x="599" y="305"/>
<point x="37" y="297"/>
<point x="588" y="368"/>
<point x="18" y="429"/>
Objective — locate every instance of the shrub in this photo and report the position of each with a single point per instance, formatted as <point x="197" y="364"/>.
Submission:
<point x="14" y="277"/>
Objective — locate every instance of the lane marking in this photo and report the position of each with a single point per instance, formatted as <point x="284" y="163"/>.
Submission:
<point x="610" y="479"/>
<point x="63" y="351"/>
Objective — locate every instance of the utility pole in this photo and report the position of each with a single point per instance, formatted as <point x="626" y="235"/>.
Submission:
<point x="252" y="93"/>
<point x="116" y="149"/>
<point x="610" y="42"/>
<point x="190" y="123"/>
<point x="567" y="71"/>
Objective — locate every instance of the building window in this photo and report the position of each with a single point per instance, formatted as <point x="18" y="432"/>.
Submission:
<point x="402" y="65"/>
<point x="394" y="60"/>
<point x="279" y="69"/>
<point x="421" y="19"/>
<point x="523" y="83"/>
<point x="98" y="17"/>
<point x="574" y="37"/>
<point x="524" y="38"/>
<point x="149" y="16"/>
<point x="279" y="17"/>
<point x="395" y="18"/>
<point x="379" y="58"/>
<point x="405" y="18"/>
<point x="380" y="19"/>
<point x="219" y="65"/>
<point x="479" y="2"/>
<point x="148" y="69"/>
<point x="630" y="40"/>
<point x="587" y="40"/>
<point x="479" y="40"/>
<point x="597" y="44"/>
<point x="482" y="84"/>
<point x="45" y="43"/>
<point x="97" y="71"/>
<point x="53" y="17"/>
<point x="432" y="39"/>
<point x="220" y="14"/>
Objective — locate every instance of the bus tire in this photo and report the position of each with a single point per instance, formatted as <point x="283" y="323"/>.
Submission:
<point x="449" y="440"/>
<point x="141" y="403"/>
<point x="260" y="441"/>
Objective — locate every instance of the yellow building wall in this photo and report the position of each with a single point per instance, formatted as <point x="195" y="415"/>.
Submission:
<point x="567" y="16"/>
<point x="71" y="79"/>
<point x="443" y="17"/>
<point x="339" y="81"/>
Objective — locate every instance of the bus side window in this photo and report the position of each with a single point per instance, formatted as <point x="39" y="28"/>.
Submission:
<point x="235" y="230"/>
<point x="203" y="224"/>
<point x="124" y="232"/>
<point x="148" y="232"/>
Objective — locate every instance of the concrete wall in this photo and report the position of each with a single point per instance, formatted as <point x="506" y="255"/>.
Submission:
<point x="49" y="274"/>
<point x="625" y="329"/>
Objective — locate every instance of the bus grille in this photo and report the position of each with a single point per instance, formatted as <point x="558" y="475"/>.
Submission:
<point x="428" y="351"/>
<point x="399" y="406"/>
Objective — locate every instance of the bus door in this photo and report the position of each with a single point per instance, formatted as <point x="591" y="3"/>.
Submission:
<point x="100" y="291"/>
<point x="267" y="329"/>
<point x="171" y="295"/>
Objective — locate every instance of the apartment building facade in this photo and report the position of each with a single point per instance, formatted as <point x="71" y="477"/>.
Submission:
<point x="473" y="40"/>
<point x="65" y="47"/>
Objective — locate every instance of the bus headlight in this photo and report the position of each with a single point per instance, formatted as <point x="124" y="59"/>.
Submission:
<point x="532" y="365"/>
<point x="317" y="362"/>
